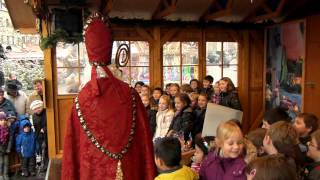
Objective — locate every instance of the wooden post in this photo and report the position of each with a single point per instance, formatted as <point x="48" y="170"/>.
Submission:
<point x="49" y="95"/>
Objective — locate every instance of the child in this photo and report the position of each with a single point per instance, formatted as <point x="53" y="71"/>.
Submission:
<point x="271" y="167"/>
<point x="194" y="100"/>
<point x="156" y="94"/>
<point x="207" y="86"/>
<point x="228" y="94"/>
<point x="151" y="113"/>
<point x="174" y="91"/>
<point x="305" y="124"/>
<point x="138" y="85"/>
<point x="201" y="152"/>
<point x="27" y="147"/>
<point x="216" y="94"/>
<point x="167" y="89"/>
<point x="194" y="83"/>
<point x="199" y="114"/>
<point x="273" y="116"/>
<point x="182" y="121"/>
<point x="256" y="137"/>
<point x="39" y="119"/>
<point x="226" y="162"/>
<point x="164" y="117"/>
<point x="283" y="138"/>
<point x="5" y="146"/>
<point x="313" y="170"/>
<point x="145" y="90"/>
<point x="167" y="155"/>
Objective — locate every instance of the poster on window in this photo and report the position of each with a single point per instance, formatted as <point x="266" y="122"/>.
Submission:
<point x="284" y="65"/>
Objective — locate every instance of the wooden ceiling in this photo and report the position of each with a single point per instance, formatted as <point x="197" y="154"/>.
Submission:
<point x="226" y="11"/>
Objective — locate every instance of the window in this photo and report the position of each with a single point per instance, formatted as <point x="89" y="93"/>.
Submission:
<point x="222" y="60"/>
<point x="70" y="61"/>
<point x="137" y="68"/>
<point x="180" y="62"/>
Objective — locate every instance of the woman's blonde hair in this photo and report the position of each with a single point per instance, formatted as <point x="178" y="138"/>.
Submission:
<point x="167" y="99"/>
<point x="227" y="129"/>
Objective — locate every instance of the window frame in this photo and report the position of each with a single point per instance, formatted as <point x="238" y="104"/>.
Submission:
<point x="129" y="66"/>
<point x="181" y="60"/>
<point x="221" y="65"/>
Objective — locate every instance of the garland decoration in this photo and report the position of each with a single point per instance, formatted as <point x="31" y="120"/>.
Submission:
<point x="60" y="35"/>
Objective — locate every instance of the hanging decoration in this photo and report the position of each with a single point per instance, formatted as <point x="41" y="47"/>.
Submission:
<point x="122" y="55"/>
<point x="60" y="35"/>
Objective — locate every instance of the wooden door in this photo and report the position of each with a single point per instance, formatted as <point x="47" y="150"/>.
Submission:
<point x="312" y="67"/>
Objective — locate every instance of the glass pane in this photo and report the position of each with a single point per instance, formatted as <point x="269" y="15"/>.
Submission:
<point x="171" y="53"/>
<point x="67" y="55"/>
<point x="213" y="53"/>
<point x="171" y="75"/>
<point x="230" y="53"/>
<point x="190" y="53"/>
<point x="188" y="73"/>
<point x="83" y="55"/>
<point x="139" y="53"/>
<point x="115" y="46"/>
<point x="68" y="80"/>
<point x="231" y="72"/>
<point x="139" y="74"/>
<point x="85" y="76"/>
<point x="215" y="72"/>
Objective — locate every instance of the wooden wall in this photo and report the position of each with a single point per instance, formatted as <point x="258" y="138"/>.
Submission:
<point x="311" y="101"/>
<point x="250" y="70"/>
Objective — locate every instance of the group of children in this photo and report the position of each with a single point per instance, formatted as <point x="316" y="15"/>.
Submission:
<point x="281" y="149"/>
<point x="276" y="153"/>
<point x="17" y="135"/>
<point x="179" y="111"/>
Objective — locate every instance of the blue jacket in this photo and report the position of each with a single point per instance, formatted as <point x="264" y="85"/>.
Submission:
<point x="26" y="143"/>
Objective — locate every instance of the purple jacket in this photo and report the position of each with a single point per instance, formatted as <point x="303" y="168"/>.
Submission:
<point x="215" y="167"/>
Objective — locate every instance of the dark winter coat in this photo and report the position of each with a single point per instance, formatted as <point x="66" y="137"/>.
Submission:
<point x="152" y="116"/>
<point x="26" y="143"/>
<point x="208" y="91"/>
<point x="8" y="107"/>
<point x="199" y="115"/>
<point x="40" y="122"/>
<point x="215" y="167"/>
<point x="183" y="122"/>
<point x="230" y="99"/>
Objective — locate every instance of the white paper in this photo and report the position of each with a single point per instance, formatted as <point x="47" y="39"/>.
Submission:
<point x="217" y="114"/>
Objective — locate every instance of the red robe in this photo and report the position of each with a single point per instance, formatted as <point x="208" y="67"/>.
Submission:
<point x="109" y="120"/>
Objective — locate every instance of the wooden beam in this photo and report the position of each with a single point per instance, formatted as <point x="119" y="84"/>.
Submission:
<point x="253" y="10"/>
<point x="217" y="14"/>
<point x="168" y="36"/>
<point x="164" y="9"/>
<point x="144" y="34"/>
<point x="270" y="15"/>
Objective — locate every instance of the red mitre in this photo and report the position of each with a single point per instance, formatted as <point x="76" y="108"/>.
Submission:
<point x="98" y="41"/>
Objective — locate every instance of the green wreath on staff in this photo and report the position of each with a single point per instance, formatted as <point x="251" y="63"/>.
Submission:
<point x="60" y="35"/>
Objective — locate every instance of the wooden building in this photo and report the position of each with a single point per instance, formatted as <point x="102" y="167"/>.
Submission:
<point x="244" y="22"/>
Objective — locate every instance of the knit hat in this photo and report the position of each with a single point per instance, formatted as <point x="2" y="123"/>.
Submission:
<point x="36" y="104"/>
<point x="11" y="115"/>
<point x="3" y="115"/>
